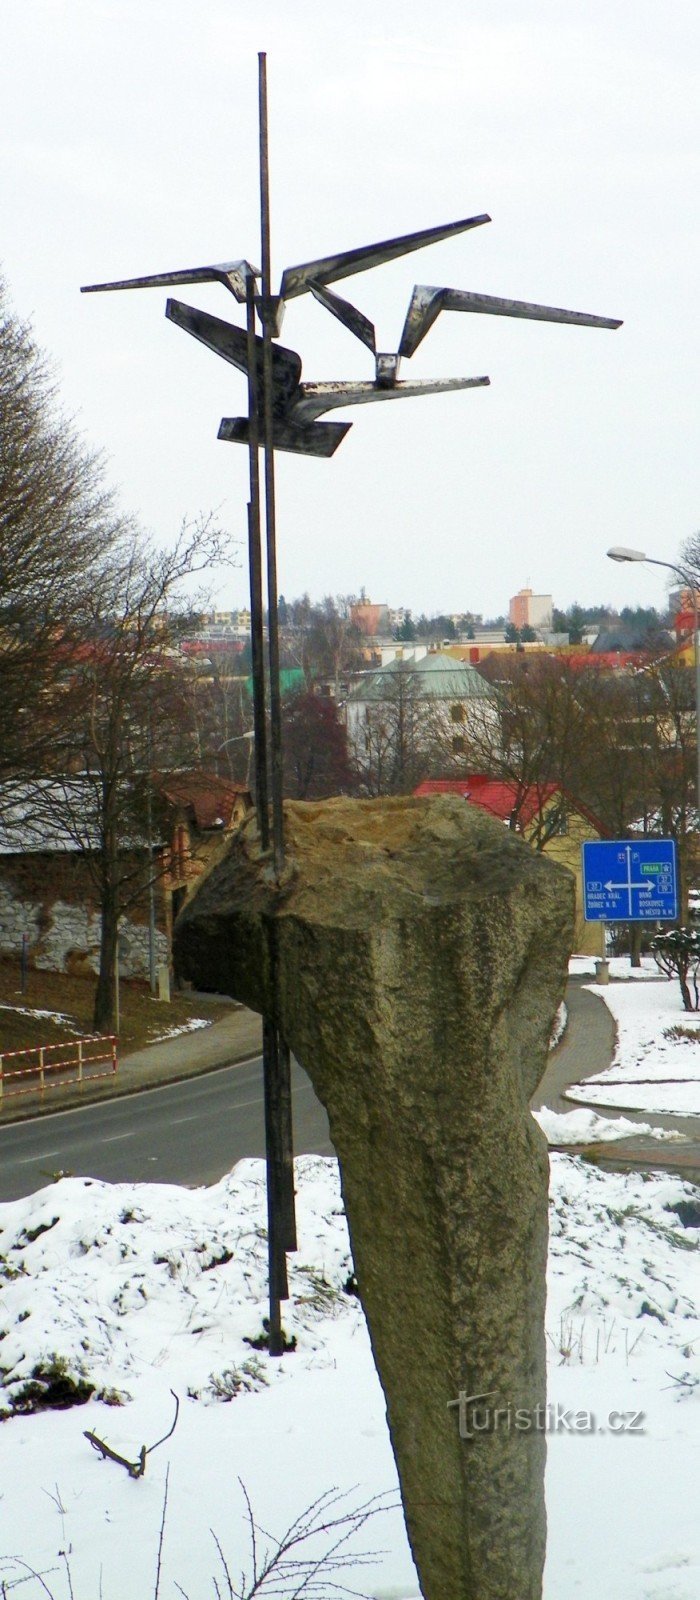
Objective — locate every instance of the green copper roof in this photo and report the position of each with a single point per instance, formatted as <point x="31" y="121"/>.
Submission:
<point x="435" y="676"/>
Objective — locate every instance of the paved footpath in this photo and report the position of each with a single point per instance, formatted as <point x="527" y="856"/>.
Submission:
<point x="587" y="1048"/>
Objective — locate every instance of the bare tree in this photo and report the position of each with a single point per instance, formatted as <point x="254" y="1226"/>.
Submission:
<point x="58" y="525"/>
<point x="323" y="640"/>
<point x="535" y="739"/>
<point x="124" y="714"/>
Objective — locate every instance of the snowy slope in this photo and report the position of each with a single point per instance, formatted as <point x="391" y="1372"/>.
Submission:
<point x="144" y="1288"/>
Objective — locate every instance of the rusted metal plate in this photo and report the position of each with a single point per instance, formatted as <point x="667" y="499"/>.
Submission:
<point x="312" y="399"/>
<point x="424" y="306"/>
<point x="318" y="439"/>
<point x="327" y="269"/>
<point x="232" y="274"/>
<point x="272" y="310"/>
<point x="427" y="301"/>
<point x="346" y="313"/>
<point x="387" y="368"/>
<point x="230" y="342"/>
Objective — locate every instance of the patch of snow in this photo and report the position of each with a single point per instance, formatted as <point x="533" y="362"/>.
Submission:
<point x="586" y="1127"/>
<point x="58" y="1017"/>
<point x="182" y="1027"/>
<point x="559" y="1028"/>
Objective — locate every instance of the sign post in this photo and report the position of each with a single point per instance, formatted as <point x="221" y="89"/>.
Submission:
<point x="628" y="880"/>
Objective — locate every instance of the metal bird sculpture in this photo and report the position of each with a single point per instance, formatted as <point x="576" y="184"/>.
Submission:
<point x="296" y="406"/>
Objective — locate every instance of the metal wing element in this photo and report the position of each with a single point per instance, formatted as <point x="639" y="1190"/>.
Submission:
<point x="327" y="269"/>
<point x="232" y="343"/>
<point x="318" y="439"/>
<point x="312" y="399"/>
<point x="299" y="432"/>
<point x="232" y="274"/>
<point x="346" y="313"/>
<point x="427" y="302"/>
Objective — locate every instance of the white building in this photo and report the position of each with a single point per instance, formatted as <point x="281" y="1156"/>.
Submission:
<point x="399" y="711"/>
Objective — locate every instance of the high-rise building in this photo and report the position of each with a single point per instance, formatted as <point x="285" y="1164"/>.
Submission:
<point x="528" y="610"/>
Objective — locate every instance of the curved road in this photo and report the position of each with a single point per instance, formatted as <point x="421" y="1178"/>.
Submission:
<point x="192" y="1131"/>
<point x="586" y="1049"/>
<point x="189" y="1132"/>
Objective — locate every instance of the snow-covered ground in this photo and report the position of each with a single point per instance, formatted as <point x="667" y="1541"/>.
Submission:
<point x="142" y="1289"/>
<point x="619" y="968"/>
<point x="656" y="1067"/>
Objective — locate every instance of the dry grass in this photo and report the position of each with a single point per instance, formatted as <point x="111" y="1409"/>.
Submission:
<point x="142" y="1019"/>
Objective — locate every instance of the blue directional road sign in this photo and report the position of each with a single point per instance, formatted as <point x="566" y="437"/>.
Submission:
<point x="630" y="881"/>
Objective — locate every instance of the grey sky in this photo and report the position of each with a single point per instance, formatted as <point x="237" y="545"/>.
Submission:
<point x="129" y="145"/>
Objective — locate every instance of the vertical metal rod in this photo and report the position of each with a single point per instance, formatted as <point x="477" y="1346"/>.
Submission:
<point x="287" y="1153"/>
<point x="149" y="837"/>
<point x="277" y="1264"/>
<point x="280" y="1066"/>
<point x="255" y="571"/>
<point x="270" y="531"/>
<point x="276" y="1063"/>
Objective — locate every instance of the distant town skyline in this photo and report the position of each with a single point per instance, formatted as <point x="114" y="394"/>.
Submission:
<point x="129" y="145"/>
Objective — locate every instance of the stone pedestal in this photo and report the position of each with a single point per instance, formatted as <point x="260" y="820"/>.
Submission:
<point x="422" y="955"/>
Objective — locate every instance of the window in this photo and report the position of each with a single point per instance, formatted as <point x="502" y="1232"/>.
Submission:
<point x="458" y="745"/>
<point x="457" y="712"/>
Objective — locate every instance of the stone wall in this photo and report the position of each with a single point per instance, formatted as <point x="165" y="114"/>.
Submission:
<point x="52" y="900"/>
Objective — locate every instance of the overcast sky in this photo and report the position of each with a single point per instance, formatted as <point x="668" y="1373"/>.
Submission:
<point x="129" y="145"/>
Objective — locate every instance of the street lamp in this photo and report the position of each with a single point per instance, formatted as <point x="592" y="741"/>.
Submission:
<point x="235" y="739"/>
<point x="620" y="552"/>
<point x="239" y="738"/>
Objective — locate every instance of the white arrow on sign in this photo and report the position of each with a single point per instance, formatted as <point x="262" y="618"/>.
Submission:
<point x="629" y="885"/>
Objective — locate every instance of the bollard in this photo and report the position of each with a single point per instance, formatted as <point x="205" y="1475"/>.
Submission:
<point x="163" y="975"/>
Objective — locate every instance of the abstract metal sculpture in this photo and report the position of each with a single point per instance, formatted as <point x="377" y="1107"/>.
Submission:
<point x="297" y="405"/>
<point x="282" y="415"/>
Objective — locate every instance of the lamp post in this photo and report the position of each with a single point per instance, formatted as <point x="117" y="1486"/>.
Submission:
<point x="621" y="553"/>
<point x="238" y="738"/>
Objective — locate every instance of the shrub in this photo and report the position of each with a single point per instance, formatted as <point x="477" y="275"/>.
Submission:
<point x="677" y="953"/>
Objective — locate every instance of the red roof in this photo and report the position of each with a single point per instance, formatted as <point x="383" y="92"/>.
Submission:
<point x="609" y="659"/>
<point x="500" y="798"/>
<point x="210" y="799"/>
<point x="492" y="795"/>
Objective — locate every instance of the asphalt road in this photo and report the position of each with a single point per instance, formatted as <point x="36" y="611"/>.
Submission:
<point x="190" y="1133"/>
